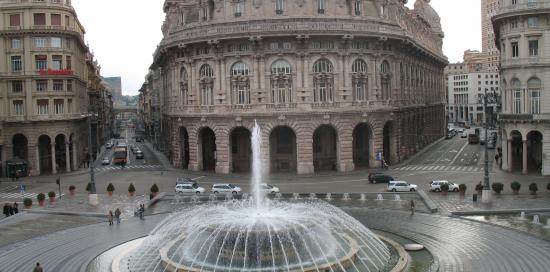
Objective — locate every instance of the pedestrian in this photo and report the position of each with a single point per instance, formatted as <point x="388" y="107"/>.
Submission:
<point x="6" y="210"/>
<point x="117" y="215"/>
<point x="110" y="217"/>
<point x="141" y="211"/>
<point x="15" y="208"/>
<point x="17" y="175"/>
<point x="10" y="209"/>
<point x="496" y="158"/>
<point x="38" y="268"/>
<point x="412" y="207"/>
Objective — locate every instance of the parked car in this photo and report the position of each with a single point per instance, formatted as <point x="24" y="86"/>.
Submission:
<point x="380" y="178"/>
<point x="435" y="186"/>
<point x="139" y="139"/>
<point x="491" y="145"/>
<point x="106" y="161"/>
<point x="109" y="145"/>
<point x="139" y="155"/>
<point x="226" y="188"/>
<point x="464" y="134"/>
<point x="185" y="180"/>
<point x="401" y="186"/>
<point x="188" y="189"/>
<point x="270" y="189"/>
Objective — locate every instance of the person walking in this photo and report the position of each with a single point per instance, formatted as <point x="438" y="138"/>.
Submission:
<point x="110" y="217"/>
<point x="117" y="215"/>
<point x="412" y="207"/>
<point x="6" y="210"/>
<point x="15" y="208"/>
<point x="10" y="209"/>
<point x="141" y="211"/>
<point x="38" y="268"/>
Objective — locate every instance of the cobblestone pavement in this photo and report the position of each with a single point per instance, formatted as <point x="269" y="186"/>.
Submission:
<point x="455" y="202"/>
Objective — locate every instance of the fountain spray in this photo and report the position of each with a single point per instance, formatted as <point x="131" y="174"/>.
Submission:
<point x="257" y="166"/>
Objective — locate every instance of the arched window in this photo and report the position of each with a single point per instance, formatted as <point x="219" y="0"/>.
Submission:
<point x="206" y="85"/>
<point x="516" y="95"/>
<point x="240" y="84"/>
<point x="184" y="86"/>
<point x="359" y="80"/>
<point x="385" y="79"/>
<point x="279" y="6"/>
<point x="323" y="81"/>
<point x="534" y="86"/>
<point x="281" y="82"/>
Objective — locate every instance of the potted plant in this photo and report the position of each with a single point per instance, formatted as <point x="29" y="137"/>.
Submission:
<point x="533" y="188"/>
<point x="41" y="197"/>
<point x="51" y="195"/>
<point x="131" y="189"/>
<point x="462" y="188"/>
<point x="89" y="187"/>
<point x="444" y="188"/>
<point x="27" y="202"/>
<point x="497" y="187"/>
<point x="154" y="190"/>
<point x="72" y="189"/>
<point x="479" y="188"/>
<point x="515" y="187"/>
<point x="110" y="189"/>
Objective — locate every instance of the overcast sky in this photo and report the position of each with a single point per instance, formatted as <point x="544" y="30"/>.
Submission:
<point x="123" y="34"/>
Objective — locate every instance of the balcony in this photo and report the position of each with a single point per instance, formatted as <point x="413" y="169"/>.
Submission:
<point x="515" y="117"/>
<point x="534" y="61"/>
<point x="521" y="8"/>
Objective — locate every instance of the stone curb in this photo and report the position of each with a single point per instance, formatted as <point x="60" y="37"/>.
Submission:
<point x="492" y="212"/>
<point x="85" y="214"/>
<point x="430" y="205"/>
<point x="9" y="218"/>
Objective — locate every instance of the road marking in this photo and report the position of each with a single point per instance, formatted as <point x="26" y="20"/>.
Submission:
<point x="457" y="154"/>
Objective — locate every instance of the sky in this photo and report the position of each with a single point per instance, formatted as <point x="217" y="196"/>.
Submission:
<point x="123" y="34"/>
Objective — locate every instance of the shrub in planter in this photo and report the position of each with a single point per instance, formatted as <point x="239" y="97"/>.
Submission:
<point x="497" y="187"/>
<point x="110" y="189"/>
<point x="462" y="188"/>
<point x="41" y="197"/>
<point x="27" y="202"/>
<point x="444" y="188"/>
<point x="154" y="189"/>
<point x="51" y="195"/>
<point x="479" y="187"/>
<point x="131" y="189"/>
<point x="515" y="186"/>
<point x="72" y="189"/>
<point x="533" y="188"/>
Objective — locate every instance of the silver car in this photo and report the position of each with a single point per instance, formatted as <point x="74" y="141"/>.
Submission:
<point x="226" y="188"/>
<point x="188" y="189"/>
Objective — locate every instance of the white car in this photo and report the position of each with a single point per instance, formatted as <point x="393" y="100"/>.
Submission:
<point x="435" y="186"/>
<point x="106" y="161"/>
<point x="189" y="189"/>
<point x="270" y="189"/>
<point x="401" y="186"/>
<point x="226" y="188"/>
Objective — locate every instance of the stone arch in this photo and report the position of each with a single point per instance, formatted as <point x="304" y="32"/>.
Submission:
<point x="61" y="152"/>
<point x="206" y="149"/>
<point x="388" y="146"/>
<point x="283" y="149"/>
<point x="534" y="151"/>
<point x="44" y="154"/>
<point x="20" y="147"/>
<point x="363" y="145"/>
<point x="516" y="139"/>
<point x="184" y="147"/>
<point x="241" y="149"/>
<point x="325" y="148"/>
<point x="72" y="152"/>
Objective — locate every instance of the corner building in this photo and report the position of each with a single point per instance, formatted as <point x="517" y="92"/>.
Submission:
<point x="43" y="85"/>
<point x="332" y="83"/>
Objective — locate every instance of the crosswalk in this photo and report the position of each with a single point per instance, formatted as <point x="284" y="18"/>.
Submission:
<point x="116" y="167"/>
<point x="440" y="168"/>
<point x="17" y="195"/>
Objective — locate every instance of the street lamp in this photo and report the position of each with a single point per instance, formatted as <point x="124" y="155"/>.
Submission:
<point x="93" y="197"/>
<point x="486" y="193"/>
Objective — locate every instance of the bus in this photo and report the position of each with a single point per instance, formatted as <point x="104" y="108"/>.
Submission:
<point x="473" y="138"/>
<point x="120" y="155"/>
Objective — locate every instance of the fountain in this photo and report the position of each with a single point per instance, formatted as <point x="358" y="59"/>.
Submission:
<point x="329" y="197"/>
<point x="278" y="196"/>
<point x="522" y="216"/>
<point x="228" y="197"/>
<point x="312" y="196"/>
<point x="363" y="197"/>
<point x="212" y="197"/>
<point x="258" y="234"/>
<point x="547" y="224"/>
<point x="245" y="196"/>
<point x="397" y="198"/>
<point x="536" y="220"/>
<point x="379" y="197"/>
<point x="346" y="197"/>
<point x="195" y="199"/>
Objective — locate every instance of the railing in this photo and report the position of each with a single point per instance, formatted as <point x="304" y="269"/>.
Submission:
<point x="523" y="7"/>
<point x="529" y="60"/>
<point x="515" y="117"/>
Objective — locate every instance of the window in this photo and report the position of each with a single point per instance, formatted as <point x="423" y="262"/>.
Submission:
<point x="323" y="81"/>
<point x="68" y="62"/>
<point x="279" y="6"/>
<point x="42" y="106"/>
<point x="17" y="86"/>
<point x="59" y="106"/>
<point x="357" y="7"/>
<point x="517" y="101"/>
<point x="68" y="43"/>
<point x="57" y="62"/>
<point x="184" y="86"/>
<point x="533" y="48"/>
<point x="534" y="87"/>
<point x="41" y="62"/>
<point x="515" y="50"/>
<point x="56" y="19"/>
<point x="360" y="80"/>
<point x="281" y="82"/>
<point x="385" y="79"/>
<point x="16" y="43"/>
<point x="321" y="6"/>
<point x="240" y="84"/>
<point x="18" y="109"/>
<point x="39" y="42"/>
<point x="39" y="19"/>
<point x="58" y="85"/>
<point x="55" y="42"/>
<point x="206" y="83"/>
<point x="532" y="22"/>
<point x="16" y="64"/>
<point x="238" y="8"/>
<point x="15" y="20"/>
<point x="41" y="85"/>
<point x="514" y="2"/>
<point x="67" y="20"/>
<point x="69" y="85"/>
<point x="514" y="23"/>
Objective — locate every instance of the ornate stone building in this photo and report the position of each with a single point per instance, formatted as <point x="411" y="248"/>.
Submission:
<point x="334" y="84"/>
<point x="522" y="33"/>
<point x="43" y="85"/>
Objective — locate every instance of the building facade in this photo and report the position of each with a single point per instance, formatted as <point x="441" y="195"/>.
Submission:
<point x="43" y="78"/>
<point x="491" y="55"/>
<point x="334" y="85"/>
<point x="522" y="34"/>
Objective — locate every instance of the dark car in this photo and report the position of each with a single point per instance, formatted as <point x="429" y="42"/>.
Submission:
<point x="139" y="155"/>
<point x="380" y="178"/>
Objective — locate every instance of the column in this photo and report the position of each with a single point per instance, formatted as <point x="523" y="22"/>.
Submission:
<point x="524" y="156"/>
<point x="345" y="150"/>
<point x="509" y="155"/>
<point x="54" y="165"/>
<point x="67" y="158"/>
<point x="37" y="170"/>
<point x="75" y="159"/>
<point x="222" y="153"/>
<point x="304" y="152"/>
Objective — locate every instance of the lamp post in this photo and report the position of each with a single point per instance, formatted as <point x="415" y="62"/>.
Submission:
<point x="92" y="197"/>
<point x="486" y="193"/>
